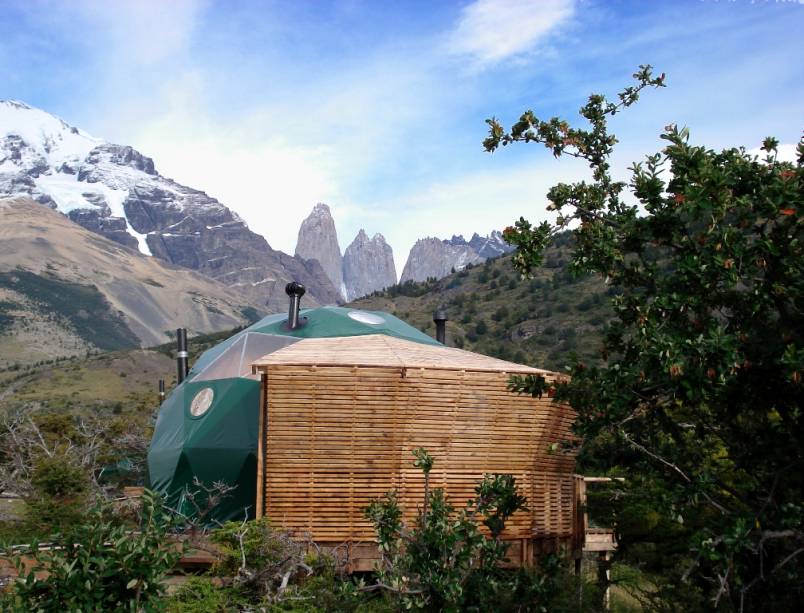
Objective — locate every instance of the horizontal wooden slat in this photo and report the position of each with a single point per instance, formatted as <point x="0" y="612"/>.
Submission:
<point x="338" y="437"/>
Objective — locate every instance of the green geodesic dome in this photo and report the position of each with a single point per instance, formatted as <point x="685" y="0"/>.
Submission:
<point x="208" y="427"/>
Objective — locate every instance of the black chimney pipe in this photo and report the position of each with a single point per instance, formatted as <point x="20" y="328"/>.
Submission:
<point x="295" y="291"/>
<point x="161" y="391"/>
<point x="440" y="319"/>
<point x="182" y="363"/>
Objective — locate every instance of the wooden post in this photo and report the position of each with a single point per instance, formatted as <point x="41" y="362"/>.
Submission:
<point x="604" y="577"/>
<point x="260" y="510"/>
<point x="579" y="520"/>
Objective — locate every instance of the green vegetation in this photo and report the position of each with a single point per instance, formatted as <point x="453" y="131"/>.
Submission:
<point x="107" y="562"/>
<point x="251" y="314"/>
<point x="58" y="497"/>
<point x="699" y="401"/>
<point x="6" y="318"/>
<point x="197" y="344"/>
<point x="99" y="384"/>
<point x="445" y="563"/>
<point x="83" y="306"/>
<point x="687" y="371"/>
<point x="448" y="561"/>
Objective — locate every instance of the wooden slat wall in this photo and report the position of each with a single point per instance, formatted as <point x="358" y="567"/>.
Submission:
<point x="338" y="437"/>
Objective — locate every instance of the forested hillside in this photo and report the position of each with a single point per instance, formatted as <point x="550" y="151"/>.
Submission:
<point x="540" y="321"/>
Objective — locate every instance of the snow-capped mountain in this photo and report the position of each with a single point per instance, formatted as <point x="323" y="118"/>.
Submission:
<point x="64" y="290"/>
<point x="116" y="191"/>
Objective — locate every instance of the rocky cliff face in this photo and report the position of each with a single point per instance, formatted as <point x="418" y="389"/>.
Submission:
<point x="368" y="265"/>
<point x="432" y="257"/>
<point x="115" y="191"/>
<point x="318" y="240"/>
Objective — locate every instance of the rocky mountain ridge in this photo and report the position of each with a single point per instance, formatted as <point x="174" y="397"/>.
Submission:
<point x="431" y="258"/>
<point x="318" y="240"/>
<point x="491" y="246"/>
<point x="367" y="265"/>
<point x="116" y="191"/>
<point x="434" y="258"/>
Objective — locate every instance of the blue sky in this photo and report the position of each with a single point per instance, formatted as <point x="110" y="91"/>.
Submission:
<point x="378" y="108"/>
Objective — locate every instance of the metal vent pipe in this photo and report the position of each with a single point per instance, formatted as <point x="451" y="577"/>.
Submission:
<point x="295" y="291"/>
<point x="182" y="362"/>
<point x="440" y="320"/>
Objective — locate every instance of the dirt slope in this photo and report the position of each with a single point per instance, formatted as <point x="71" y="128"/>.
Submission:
<point x="65" y="290"/>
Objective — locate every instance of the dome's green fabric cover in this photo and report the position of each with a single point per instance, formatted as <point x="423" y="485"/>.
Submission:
<point x="221" y="444"/>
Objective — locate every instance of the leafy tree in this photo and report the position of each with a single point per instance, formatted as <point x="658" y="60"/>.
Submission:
<point x="699" y="402"/>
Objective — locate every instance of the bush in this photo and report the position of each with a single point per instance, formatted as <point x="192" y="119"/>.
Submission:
<point x="59" y="495"/>
<point x="445" y="562"/>
<point x="257" y="556"/>
<point x="500" y="313"/>
<point x="100" y="565"/>
<point x="275" y="573"/>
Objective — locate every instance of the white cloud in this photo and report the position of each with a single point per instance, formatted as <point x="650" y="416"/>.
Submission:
<point x="269" y="181"/>
<point x="139" y="33"/>
<point x="275" y="159"/>
<point x="490" y="31"/>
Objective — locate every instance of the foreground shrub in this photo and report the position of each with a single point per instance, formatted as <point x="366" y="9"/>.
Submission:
<point x="202" y="595"/>
<point x="101" y="564"/>
<point x="446" y="562"/>
<point x="274" y="572"/>
<point x="59" y="495"/>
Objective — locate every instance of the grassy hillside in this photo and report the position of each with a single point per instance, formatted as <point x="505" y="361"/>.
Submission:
<point x="109" y="382"/>
<point x="113" y="382"/>
<point x="540" y="322"/>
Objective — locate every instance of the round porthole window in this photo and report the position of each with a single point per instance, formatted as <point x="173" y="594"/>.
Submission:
<point x="202" y="402"/>
<point x="366" y="318"/>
